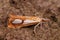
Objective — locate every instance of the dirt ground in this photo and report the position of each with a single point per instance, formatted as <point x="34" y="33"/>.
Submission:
<point x="49" y="9"/>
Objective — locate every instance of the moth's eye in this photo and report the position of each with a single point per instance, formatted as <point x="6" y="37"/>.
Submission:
<point x="17" y="21"/>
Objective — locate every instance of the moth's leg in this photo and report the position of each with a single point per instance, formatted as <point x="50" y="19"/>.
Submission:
<point x="35" y="27"/>
<point x="41" y="24"/>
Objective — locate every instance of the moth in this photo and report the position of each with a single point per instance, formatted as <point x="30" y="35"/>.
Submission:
<point x="16" y="21"/>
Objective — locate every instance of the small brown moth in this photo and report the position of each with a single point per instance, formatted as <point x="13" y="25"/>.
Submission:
<point x="16" y="21"/>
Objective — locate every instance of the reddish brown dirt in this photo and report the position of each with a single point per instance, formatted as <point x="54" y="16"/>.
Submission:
<point x="42" y="8"/>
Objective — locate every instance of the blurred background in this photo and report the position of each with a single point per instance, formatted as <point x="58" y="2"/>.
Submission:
<point x="49" y="9"/>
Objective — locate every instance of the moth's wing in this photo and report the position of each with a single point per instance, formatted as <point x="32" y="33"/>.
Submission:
<point x="27" y="21"/>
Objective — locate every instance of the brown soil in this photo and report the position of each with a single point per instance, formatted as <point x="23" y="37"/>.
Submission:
<point x="49" y="9"/>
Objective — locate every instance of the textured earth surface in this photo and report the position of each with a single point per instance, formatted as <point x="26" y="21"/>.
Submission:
<point x="49" y="9"/>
